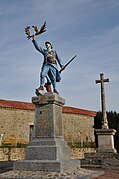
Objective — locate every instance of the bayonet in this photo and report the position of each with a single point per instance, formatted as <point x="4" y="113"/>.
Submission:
<point x="67" y="64"/>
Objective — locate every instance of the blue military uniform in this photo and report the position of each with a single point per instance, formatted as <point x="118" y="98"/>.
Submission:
<point x="49" y="68"/>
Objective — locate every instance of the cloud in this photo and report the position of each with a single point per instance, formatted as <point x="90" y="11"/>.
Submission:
<point x="88" y="28"/>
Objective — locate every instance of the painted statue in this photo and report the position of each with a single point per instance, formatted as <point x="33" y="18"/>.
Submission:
<point x="49" y="70"/>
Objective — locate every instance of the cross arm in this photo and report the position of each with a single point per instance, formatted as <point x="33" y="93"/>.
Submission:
<point x="106" y="80"/>
<point x="102" y="80"/>
<point x="97" y="81"/>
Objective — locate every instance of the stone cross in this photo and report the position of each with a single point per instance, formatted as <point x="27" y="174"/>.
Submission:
<point x="104" y="115"/>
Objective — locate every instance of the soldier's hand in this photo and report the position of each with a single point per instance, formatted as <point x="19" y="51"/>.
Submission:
<point x="62" y="68"/>
<point x="33" y="37"/>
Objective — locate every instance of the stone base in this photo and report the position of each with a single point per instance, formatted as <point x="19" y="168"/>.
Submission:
<point x="49" y="166"/>
<point x="47" y="149"/>
<point x="106" y="140"/>
<point x="47" y="154"/>
<point x="100" y="160"/>
<point x="105" y="156"/>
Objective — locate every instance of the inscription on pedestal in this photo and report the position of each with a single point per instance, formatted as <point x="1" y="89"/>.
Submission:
<point x="43" y="125"/>
<point x="58" y="121"/>
<point x="48" y="116"/>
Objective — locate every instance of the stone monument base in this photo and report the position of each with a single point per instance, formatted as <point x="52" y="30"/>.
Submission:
<point x="47" y="166"/>
<point x="47" y="154"/>
<point x="105" y="155"/>
<point x="48" y="151"/>
<point x="100" y="160"/>
<point x="106" y="140"/>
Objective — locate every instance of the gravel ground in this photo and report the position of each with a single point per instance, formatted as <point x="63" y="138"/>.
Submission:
<point x="108" y="174"/>
<point x="75" y="174"/>
<point x="101" y="174"/>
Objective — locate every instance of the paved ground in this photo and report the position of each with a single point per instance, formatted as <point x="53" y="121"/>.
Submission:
<point x="109" y="174"/>
<point x="6" y="166"/>
<point x="106" y="174"/>
<point x="75" y="174"/>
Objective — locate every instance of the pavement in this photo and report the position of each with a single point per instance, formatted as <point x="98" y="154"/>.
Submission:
<point x="75" y="174"/>
<point x="6" y="166"/>
<point x="7" y="172"/>
<point x="108" y="174"/>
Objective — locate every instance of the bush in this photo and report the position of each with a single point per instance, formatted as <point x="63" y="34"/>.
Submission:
<point x="85" y="145"/>
<point x="9" y="145"/>
<point x="20" y="145"/>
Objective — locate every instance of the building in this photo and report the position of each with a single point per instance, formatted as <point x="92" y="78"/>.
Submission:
<point x="17" y="120"/>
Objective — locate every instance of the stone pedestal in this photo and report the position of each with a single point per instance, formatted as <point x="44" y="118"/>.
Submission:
<point x="47" y="151"/>
<point x="106" y="140"/>
<point x="105" y="155"/>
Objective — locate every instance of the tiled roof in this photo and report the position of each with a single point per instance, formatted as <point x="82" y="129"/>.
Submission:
<point x="17" y="105"/>
<point x="72" y="110"/>
<point x="30" y="106"/>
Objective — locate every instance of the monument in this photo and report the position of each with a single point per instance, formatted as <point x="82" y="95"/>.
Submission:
<point x="105" y="154"/>
<point x="105" y="135"/>
<point x="47" y="151"/>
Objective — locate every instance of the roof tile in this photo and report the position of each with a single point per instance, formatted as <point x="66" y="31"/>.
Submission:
<point x="30" y="106"/>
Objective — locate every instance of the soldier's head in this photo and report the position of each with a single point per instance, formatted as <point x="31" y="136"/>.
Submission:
<point x="47" y="44"/>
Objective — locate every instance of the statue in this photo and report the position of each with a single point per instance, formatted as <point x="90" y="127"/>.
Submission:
<point x="49" y="69"/>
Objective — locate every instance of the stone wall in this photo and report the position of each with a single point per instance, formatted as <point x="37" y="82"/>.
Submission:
<point x="78" y="128"/>
<point x="78" y="153"/>
<point x="15" y="125"/>
<point x="19" y="153"/>
<point x="12" y="154"/>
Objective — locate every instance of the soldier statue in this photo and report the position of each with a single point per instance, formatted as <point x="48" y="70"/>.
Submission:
<point x="49" y="68"/>
<point x="49" y="71"/>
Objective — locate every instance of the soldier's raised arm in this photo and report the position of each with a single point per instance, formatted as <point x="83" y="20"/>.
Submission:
<point x="36" y="45"/>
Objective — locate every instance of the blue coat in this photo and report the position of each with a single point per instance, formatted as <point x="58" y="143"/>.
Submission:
<point x="50" y="58"/>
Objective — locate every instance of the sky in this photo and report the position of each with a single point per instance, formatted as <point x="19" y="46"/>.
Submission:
<point x="86" y="28"/>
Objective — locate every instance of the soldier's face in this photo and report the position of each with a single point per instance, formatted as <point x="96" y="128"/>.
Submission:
<point x="48" y="45"/>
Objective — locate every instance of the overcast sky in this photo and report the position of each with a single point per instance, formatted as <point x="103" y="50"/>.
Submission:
<point x="86" y="28"/>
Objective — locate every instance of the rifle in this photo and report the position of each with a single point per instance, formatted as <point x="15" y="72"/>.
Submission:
<point x="67" y="64"/>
